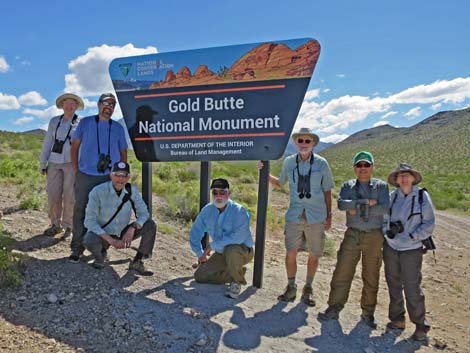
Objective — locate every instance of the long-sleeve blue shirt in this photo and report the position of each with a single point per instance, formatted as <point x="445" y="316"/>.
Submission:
<point x="414" y="230"/>
<point x="354" y="193"/>
<point x="232" y="226"/>
<point x="103" y="201"/>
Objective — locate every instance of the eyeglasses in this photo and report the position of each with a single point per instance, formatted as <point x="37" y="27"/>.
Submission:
<point x="108" y="104"/>
<point x="120" y="174"/>
<point x="219" y="192"/>
<point x="307" y="141"/>
<point x="363" y="165"/>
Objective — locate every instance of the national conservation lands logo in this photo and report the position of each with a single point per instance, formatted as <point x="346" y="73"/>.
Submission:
<point x="125" y="68"/>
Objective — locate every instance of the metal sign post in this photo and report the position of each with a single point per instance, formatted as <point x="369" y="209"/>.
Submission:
<point x="204" y="192"/>
<point x="147" y="185"/>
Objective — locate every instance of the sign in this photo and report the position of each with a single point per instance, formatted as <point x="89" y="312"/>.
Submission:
<point x="227" y="103"/>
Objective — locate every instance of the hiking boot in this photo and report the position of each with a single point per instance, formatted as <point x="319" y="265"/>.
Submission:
<point x="233" y="291"/>
<point x="329" y="314"/>
<point x="74" y="258"/>
<point x="98" y="264"/>
<point x="421" y="333"/>
<point x="307" y="296"/>
<point x="53" y="230"/>
<point x="289" y="294"/>
<point x="67" y="233"/>
<point x="396" y="325"/>
<point x="139" y="267"/>
<point x="369" y="320"/>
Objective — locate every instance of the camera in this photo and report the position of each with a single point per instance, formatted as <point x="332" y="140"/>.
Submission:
<point x="395" y="228"/>
<point x="58" y="146"/>
<point x="104" y="162"/>
<point x="363" y="210"/>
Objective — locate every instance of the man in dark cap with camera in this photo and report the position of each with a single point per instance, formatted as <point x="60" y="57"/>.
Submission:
<point x="309" y="213"/>
<point x="97" y="143"/>
<point x="228" y="226"/>
<point x="366" y="201"/>
<point x="107" y="219"/>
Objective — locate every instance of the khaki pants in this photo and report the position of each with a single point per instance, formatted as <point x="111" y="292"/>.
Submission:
<point x="60" y="194"/>
<point x="226" y="267"/>
<point x="357" y="244"/>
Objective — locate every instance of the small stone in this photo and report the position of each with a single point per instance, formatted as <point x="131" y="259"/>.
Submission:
<point x="21" y="299"/>
<point x="52" y="298"/>
<point x="201" y="340"/>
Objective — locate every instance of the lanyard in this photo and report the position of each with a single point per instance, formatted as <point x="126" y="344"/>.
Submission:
<point x="70" y="128"/>
<point x="98" y="135"/>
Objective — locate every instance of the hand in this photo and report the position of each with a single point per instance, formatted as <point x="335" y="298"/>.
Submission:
<point x="202" y="259"/>
<point x="328" y="222"/>
<point x="118" y="244"/>
<point x="352" y="212"/>
<point x="43" y="171"/>
<point x="205" y="255"/>
<point x="260" y="165"/>
<point x="128" y="236"/>
<point x="372" y="202"/>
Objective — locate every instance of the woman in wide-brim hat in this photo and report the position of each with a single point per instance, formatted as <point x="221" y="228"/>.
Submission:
<point x="411" y="221"/>
<point x="56" y="164"/>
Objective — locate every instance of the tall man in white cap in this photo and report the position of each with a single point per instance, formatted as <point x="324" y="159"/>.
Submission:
<point x="97" y="144"/>
<point x="57" y="165"/>
<point x="309" y="213"/>
<point x="366" y="201"/>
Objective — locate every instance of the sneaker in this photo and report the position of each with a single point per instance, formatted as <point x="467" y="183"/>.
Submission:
<point x="307" y="296"/>
<point x="329" y="314"/>
<point x="67" y="233"/>
<point x="421" y="333"/>
<point x="98" y="264"/>
<point x="369" y="320"/>
<point x="396" y="325"/>
<point x="233" y="291"/>
<point x="139" y="267"/>
<point x="289" y="294"/>
<point x="53" y="230"/>
<point x="74" y="258"/>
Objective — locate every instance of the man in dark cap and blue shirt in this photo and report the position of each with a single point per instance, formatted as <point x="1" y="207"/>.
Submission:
<point x="228" y="225"/>
<point x="97" y="143"/>
<point x="108" y="215"/>
<point x="366" y="203"/>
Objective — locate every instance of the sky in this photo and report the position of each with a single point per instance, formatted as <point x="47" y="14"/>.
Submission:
<point x="395" y="62"/>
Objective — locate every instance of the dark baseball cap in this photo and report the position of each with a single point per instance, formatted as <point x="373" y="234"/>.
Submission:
<point x="220" y="184"/>
<point x="106" y="96"/>
<point x="121" y="167"/>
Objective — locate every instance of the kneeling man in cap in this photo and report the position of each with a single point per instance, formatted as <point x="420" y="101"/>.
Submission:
<point x="228" y="225"/>
<point x="107" y="218"/>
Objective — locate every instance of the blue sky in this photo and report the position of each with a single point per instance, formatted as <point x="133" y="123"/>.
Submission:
<point x="396" y="62"/>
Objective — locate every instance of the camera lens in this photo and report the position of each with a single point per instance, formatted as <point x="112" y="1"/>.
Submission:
<point x="301" y="195"/>
<point x="308" y="195"/>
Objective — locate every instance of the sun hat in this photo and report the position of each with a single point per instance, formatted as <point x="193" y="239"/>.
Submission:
<point x="59" y="102"/>
<point x="306" y="131"/>
<point x="403" y="167"/>
<point x="363" y="156"/>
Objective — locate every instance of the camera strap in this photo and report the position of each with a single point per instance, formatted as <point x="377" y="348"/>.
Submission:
<point x="70" y="128"/>
<point x="305" y="187"/>
<point x="98" y="135"/>
<point x="126" y="197"/>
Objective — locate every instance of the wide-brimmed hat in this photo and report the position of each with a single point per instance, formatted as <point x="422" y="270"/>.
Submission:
<point x="306" y="131"/>
<point x="403" y="167"/>
<point x="59" y="102"/>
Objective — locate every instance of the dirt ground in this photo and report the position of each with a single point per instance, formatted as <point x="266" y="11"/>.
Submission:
<point x="64" y="307"/>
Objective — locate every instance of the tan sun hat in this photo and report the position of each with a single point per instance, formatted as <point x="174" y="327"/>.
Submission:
<point x="59" y="102"/>
<point x="404" y="168"/>
<point x="306" y="131"/>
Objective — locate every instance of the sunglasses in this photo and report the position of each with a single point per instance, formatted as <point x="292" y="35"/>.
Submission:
<point x="363" y="165"/>
<point x="307" y="141"/>
<point x="219" y="192"/>
<point x="121" y="175"/>
<point x="108" y="104"/>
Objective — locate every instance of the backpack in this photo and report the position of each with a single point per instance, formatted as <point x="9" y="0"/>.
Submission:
<point x="428" y="243"/>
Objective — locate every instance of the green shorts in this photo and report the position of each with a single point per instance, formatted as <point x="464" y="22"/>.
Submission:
<point x="302" y="236"/>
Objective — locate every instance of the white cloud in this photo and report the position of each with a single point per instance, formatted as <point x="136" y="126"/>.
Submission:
<point x="4" y="67"/>
<point x="24" y="120"/>
<point x="89" y="72"/>
<point x="340" y="75"/>
<point x="47" y="113"/>
<point x="32" y="98"/>
<point x="380" y="123"/>
<point x="436" y="106"/>
<point x="413" y="112"/>
<point x="334" y="138"/>
<point x="385" y="116"/>
<point x="326" y="90"/>
<point x="314" y="93"/>
<point x="8" y="102"/>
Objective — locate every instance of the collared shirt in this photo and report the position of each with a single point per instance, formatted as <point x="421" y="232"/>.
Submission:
<point x="415" y="231"/>
<point x="47" y="156"/>
<point x="89" y="152"/>
<point x="103" y="201"/>
<point x="321" y="181"/>
<point x="232" y="226"/>
<point x="354" y="193"/>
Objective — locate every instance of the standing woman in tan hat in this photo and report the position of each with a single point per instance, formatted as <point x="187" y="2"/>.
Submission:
<point x="411" y="221"/>
<point x="56" y="164"/>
